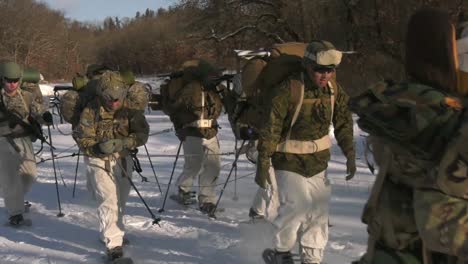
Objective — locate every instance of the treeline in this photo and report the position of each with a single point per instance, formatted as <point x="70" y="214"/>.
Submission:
<point x="159" y="40"/>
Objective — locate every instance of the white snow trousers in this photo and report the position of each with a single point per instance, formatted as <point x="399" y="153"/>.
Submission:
<point x="17" y="172"/>
<point x="201" y="159"/>
<point x="110" y="188"/>
<point x="303" y="214"/>
<point x="266" y="201"/>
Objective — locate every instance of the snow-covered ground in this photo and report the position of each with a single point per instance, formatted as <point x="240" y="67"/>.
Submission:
<point x="184" y="236"/>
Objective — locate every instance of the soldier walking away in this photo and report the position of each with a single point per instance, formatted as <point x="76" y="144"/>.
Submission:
<point x="296" y="138"/>
<point x="418" y="206"/>
<point x="194" y="110"/>
<point x="107" y="132"/>
<point x="20" y="114"/>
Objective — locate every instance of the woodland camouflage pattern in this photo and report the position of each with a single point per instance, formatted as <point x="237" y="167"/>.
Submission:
<point x="411" y="126"/>
<point x="312" y="123"/>
<point x="23" y="105"/>
<point x="97" y="124"/>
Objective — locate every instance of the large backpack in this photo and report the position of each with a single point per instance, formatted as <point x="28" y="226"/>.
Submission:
<point x="193" y="76"/>
<point x="30" y="83"/>
<point x="417" y="137"/>
<point x="258" y="76"/>
<point x="75" y="100"/>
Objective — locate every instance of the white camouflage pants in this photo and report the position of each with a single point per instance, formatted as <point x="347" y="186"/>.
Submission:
<point x="202" y="160"/>
<point x="266" y="201"/>
<point x="110" y="188"/>
<point x="303" y="214"/>
<point x="17" y="172"/>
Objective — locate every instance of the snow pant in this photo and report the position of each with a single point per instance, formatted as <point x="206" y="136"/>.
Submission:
<point x="109" y="186"/>
<point x="266" y="201"/>
<point x="17" y="172"/>
<point x="202" y="160"/>
<point x="303" y="214"/>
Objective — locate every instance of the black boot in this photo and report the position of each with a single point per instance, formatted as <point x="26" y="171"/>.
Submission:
<point x="283" y="257"/>
<point x="254" y="215"/>
<point x="207" y="208"/>
<point x="16" y="220"/>
<point x="115" y="253"/>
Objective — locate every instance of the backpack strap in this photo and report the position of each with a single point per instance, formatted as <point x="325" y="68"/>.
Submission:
<point x="384" y="156"/>
<point x="296" y="100"/>
<point x="333" y="94"/>
<point x="299" y="146"/>
<point x="201" y="122"/>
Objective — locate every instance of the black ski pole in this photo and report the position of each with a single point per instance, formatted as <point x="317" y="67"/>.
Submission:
<point x="76" y="172"/>
<point x="170" y="179"/>
<point x="235" y="197"/>
<point x="152" y="167"/>
<point x="60" y="214"/>
<point x="156" y="220"/>
<point x="234" y="165"/>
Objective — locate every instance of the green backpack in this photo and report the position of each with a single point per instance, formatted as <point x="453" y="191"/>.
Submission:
<point x="73" y="101"/>
<point x="30" y="83"/>
<point x="418" y="135"/>
<point x="418" y="117"/>
<point x="258" y="75"/>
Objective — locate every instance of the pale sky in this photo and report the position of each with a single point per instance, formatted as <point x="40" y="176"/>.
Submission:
<point x="97" y="10"/>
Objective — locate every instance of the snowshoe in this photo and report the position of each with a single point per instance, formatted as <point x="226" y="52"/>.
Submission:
<point x="18" y="220"/>
<point x="184" y="198"/>
<point x="115" y="256"/>
<point x="271" y="256"/>
<point x="122" y="260"/>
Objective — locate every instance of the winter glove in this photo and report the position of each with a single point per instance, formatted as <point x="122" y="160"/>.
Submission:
<point x="350" y="166"/>
<point x="262" y="177"/>
<point x="47" y="117"/>
<point x="111" y="146"/>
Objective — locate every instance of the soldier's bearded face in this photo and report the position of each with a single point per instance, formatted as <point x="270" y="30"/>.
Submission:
<point x="10" y="85"/>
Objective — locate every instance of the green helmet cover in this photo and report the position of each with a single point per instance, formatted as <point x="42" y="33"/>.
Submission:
<point x="11" y="70"/>
<point x="111" y="86"/>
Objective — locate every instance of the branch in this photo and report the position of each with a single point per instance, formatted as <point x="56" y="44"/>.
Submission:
<point x="229" y="35"/>
<point x="259" y="2"/>
<point x="217" y="38"/>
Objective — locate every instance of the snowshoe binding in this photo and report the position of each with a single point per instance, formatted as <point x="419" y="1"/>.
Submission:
<point x="271" y="256"/>
<point x="18" y="220"/>
<point x="184" y="198"/>
<point x="115" y="256"/>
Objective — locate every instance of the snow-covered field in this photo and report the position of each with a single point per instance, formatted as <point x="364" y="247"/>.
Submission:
<point x="184" y="236"/>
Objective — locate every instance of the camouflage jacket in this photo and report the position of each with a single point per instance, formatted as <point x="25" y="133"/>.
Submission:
<point x="23" y="105"/>
<point x="188" y="108"/>
<point x="312" y="123"/>
<point x="98" y="125"/>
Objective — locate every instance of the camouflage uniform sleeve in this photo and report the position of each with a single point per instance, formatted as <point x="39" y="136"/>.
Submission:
<point x="35" y="109"/>
<point x="138" y="129"/>
<point x="343" y="124"/>
<point x="85" y="132"/>
<point x="276" y="112"/>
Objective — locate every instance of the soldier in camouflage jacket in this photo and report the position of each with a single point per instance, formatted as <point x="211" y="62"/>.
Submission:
<point x="107" y="132"/>
<point x="18" y="109"/>
<point x="295" y="137"/>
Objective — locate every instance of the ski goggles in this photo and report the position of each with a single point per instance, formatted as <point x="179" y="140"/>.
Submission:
<point x="327" y="58"/>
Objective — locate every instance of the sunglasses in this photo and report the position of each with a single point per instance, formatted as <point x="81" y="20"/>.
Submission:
<point x="324" y="70"/>
<point x="8" y="80"/>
